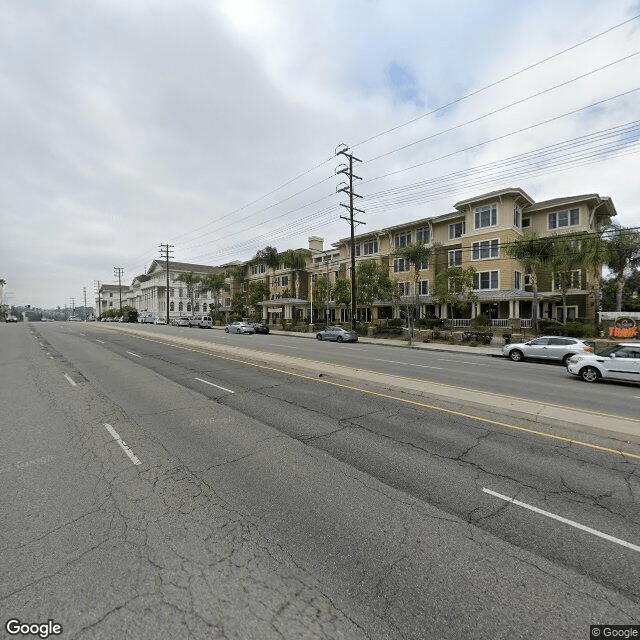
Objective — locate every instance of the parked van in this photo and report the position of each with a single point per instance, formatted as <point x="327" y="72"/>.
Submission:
<point x="146" y="317"/>
<point x="204" y="322"/>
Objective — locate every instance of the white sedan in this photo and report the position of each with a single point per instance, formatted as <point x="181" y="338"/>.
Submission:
<point x="240" y="327"/>
<point x="621" y="362"/>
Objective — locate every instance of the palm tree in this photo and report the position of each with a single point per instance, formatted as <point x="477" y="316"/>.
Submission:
<point x="566" y="257"/>
<point x="216" y="283"/>
<point x="270" y="257"/>
<point x="296" y="260"/>
<point x="623" y="256"/>
<point x="535" y="255"/>
<point x="191" y="280"/>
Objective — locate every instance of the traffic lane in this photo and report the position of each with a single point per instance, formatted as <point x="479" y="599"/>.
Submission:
<point x="445" y="461"/>
<point x="548" y="382"/>
<point x="395" y="551"/>
<point x="164" y="555"/>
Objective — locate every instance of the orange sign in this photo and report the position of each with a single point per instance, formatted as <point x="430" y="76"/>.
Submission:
<point x="624" y="328"/>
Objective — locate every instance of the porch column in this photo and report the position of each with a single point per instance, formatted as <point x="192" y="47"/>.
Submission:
<point x="474" y="309"/>
<point x="444" y="310"/>
<point x="516" y="309"/>
<point x="511" y="309"/>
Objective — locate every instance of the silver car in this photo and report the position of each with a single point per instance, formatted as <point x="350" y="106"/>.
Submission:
<point x="621" y="362"/>
<point x="240" y="327"/>
<point x="557" y="348"/>
<point x="183" y="321"/>
<point x="338" y="334"/>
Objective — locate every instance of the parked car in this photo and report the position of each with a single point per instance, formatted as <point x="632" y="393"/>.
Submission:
<point x="183" y="321"/>
<point x="260" y="327"/>
<point x="10" y="319"/>
<point x="204" y="322"/>
<point x="146" y="318"/>
<point x="621" y="362"/>
<point x="339" y="334"/>
<point x="159" y="320"/>
<point x="240" y="327"/>
<point x="558" y="348"/>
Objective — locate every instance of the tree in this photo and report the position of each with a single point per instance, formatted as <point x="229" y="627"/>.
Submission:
<point x="296" y="260"/>
<point x="419" y="256"/>
<point x="258" y="291"/>
<point x="321" y="291"/>
<point x="216" y="283"/>
<point x="566" y="258"/>
<point x="191" y="280"/>
<point x="454" y="286"/>
<point x="238" y="304"/>
<point x="270" y="257"/>
<point x="373" y="283"/>
<point x="623" y="256"/>
<point x="342" y="291"/>
<point x="535" y="255"/>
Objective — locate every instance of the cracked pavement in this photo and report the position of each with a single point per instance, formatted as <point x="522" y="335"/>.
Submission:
<point x="289" y="510"/>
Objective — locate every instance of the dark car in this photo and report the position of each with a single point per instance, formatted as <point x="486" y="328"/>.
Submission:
<point x="338" y="334"/>
<point x="260" y="327"/>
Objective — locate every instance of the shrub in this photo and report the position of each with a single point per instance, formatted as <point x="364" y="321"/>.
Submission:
<point x="473" y="343"/>
<point x="482" y="321"/>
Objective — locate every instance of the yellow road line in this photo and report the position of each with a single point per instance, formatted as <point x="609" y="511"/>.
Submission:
<point x="416" y="403"/>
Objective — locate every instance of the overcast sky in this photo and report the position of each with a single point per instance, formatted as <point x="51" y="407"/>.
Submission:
<point x="212" y="125"/>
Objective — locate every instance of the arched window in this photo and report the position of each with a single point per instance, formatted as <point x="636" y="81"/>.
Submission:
<point x="188" y="306"/>
<point x="171" y="306"/>
<point x="180" y="307"/>
<point x="197" y="307"/>
<point x="204" y="307"/>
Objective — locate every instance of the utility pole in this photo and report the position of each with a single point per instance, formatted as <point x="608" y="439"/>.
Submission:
<point x="73" y="306"/>
<point x="165" y="250"/>
<point x="96" y="283"/>
<point x="348" y="189"/>
<point x="84" y="291"/>
<point x="118" y="271"/>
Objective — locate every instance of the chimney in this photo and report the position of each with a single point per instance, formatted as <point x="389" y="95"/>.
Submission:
<point x="316" y="243"/>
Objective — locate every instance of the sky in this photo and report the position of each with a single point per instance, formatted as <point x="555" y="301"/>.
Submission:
<point x="213" y="125"/>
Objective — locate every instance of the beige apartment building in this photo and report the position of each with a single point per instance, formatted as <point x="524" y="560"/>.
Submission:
<point x="473" y="235"/>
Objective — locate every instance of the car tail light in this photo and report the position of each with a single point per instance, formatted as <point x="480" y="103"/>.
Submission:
<point x="588" y="349"/>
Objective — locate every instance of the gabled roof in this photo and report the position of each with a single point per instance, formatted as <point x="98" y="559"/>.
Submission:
<point x="517" y="191"/>
<point x="608" y="210"/>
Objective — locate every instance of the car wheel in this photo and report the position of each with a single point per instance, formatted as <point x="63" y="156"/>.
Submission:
<point x="318" y="336"/>
<point x="590" y="374"/>
<point x="516" y="355"/>
<point x="339" y="339"/>
<point x="566" y="359"/>
<point x="226" y="330"/>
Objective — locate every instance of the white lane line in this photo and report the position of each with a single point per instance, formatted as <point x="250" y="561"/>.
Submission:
<point x="69" y="380"/>
<point x="424" y="366"/>
<point x="214" y="385"/>
<point x="133" y="354"/>
<point x="480" y="364"/>
<point x="100" y="341"/>
<point x="286" y="346"/>
<point x="577" y="525"/>
<point x="123" y="444"/>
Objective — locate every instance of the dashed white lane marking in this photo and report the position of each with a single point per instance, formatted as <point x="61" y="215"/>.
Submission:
<point x="69" y="380"/>
<point x="100" y="341"/>
<point x="460" y="361"/>
<point x="133" y="354"/>
<point x="123" y="444"/>
<point x="408" y="364"/>
<point x="571" y="523"/>
<point x="214" y="385"/>
<point x="286" y="346"/>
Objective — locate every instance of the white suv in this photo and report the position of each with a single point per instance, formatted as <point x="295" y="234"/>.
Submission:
<point x="559" y="348"/>
<point x="621" y="362"/>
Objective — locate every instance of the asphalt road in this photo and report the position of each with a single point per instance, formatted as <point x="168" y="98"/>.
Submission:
<point x="251" y="503"/>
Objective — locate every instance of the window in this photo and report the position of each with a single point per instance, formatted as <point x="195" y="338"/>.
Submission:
<point x="517" y="280"/>
<point x="575" y="280"/>
<point x="526" y="222"/>
<point x="180" y="307"/>
<point x="357" y="247"/>
<point x="456" y="230"/>
<point x="111" y="304"/>
<point x="111" y="295"/>
<point x="424" y="287"/>
<point x="567" y="218"/>
<point x="171" y="306"/>
<point x="370" y="247"/>
<point x="404" y="288"/>
<point x="486" y="216"/>
<point x="400" y="265"/>
<point x="188" y="306"/>
<point x="197" y="307"/>
<point x="455" y="257"/>
<point x="171" y="292"/>
<point x="227" y="302"/>
<point x="486" y="249"/>
<point x="285" y="281"/>
<point x="423" y="236"/>
<point x="402" y="239"/>
<point x="180" y="292"/>
<point x="517" y="216"/>
<point x="204" y="307"/>
<point x="527" y="280"/>
<point x="485" y="280"/>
